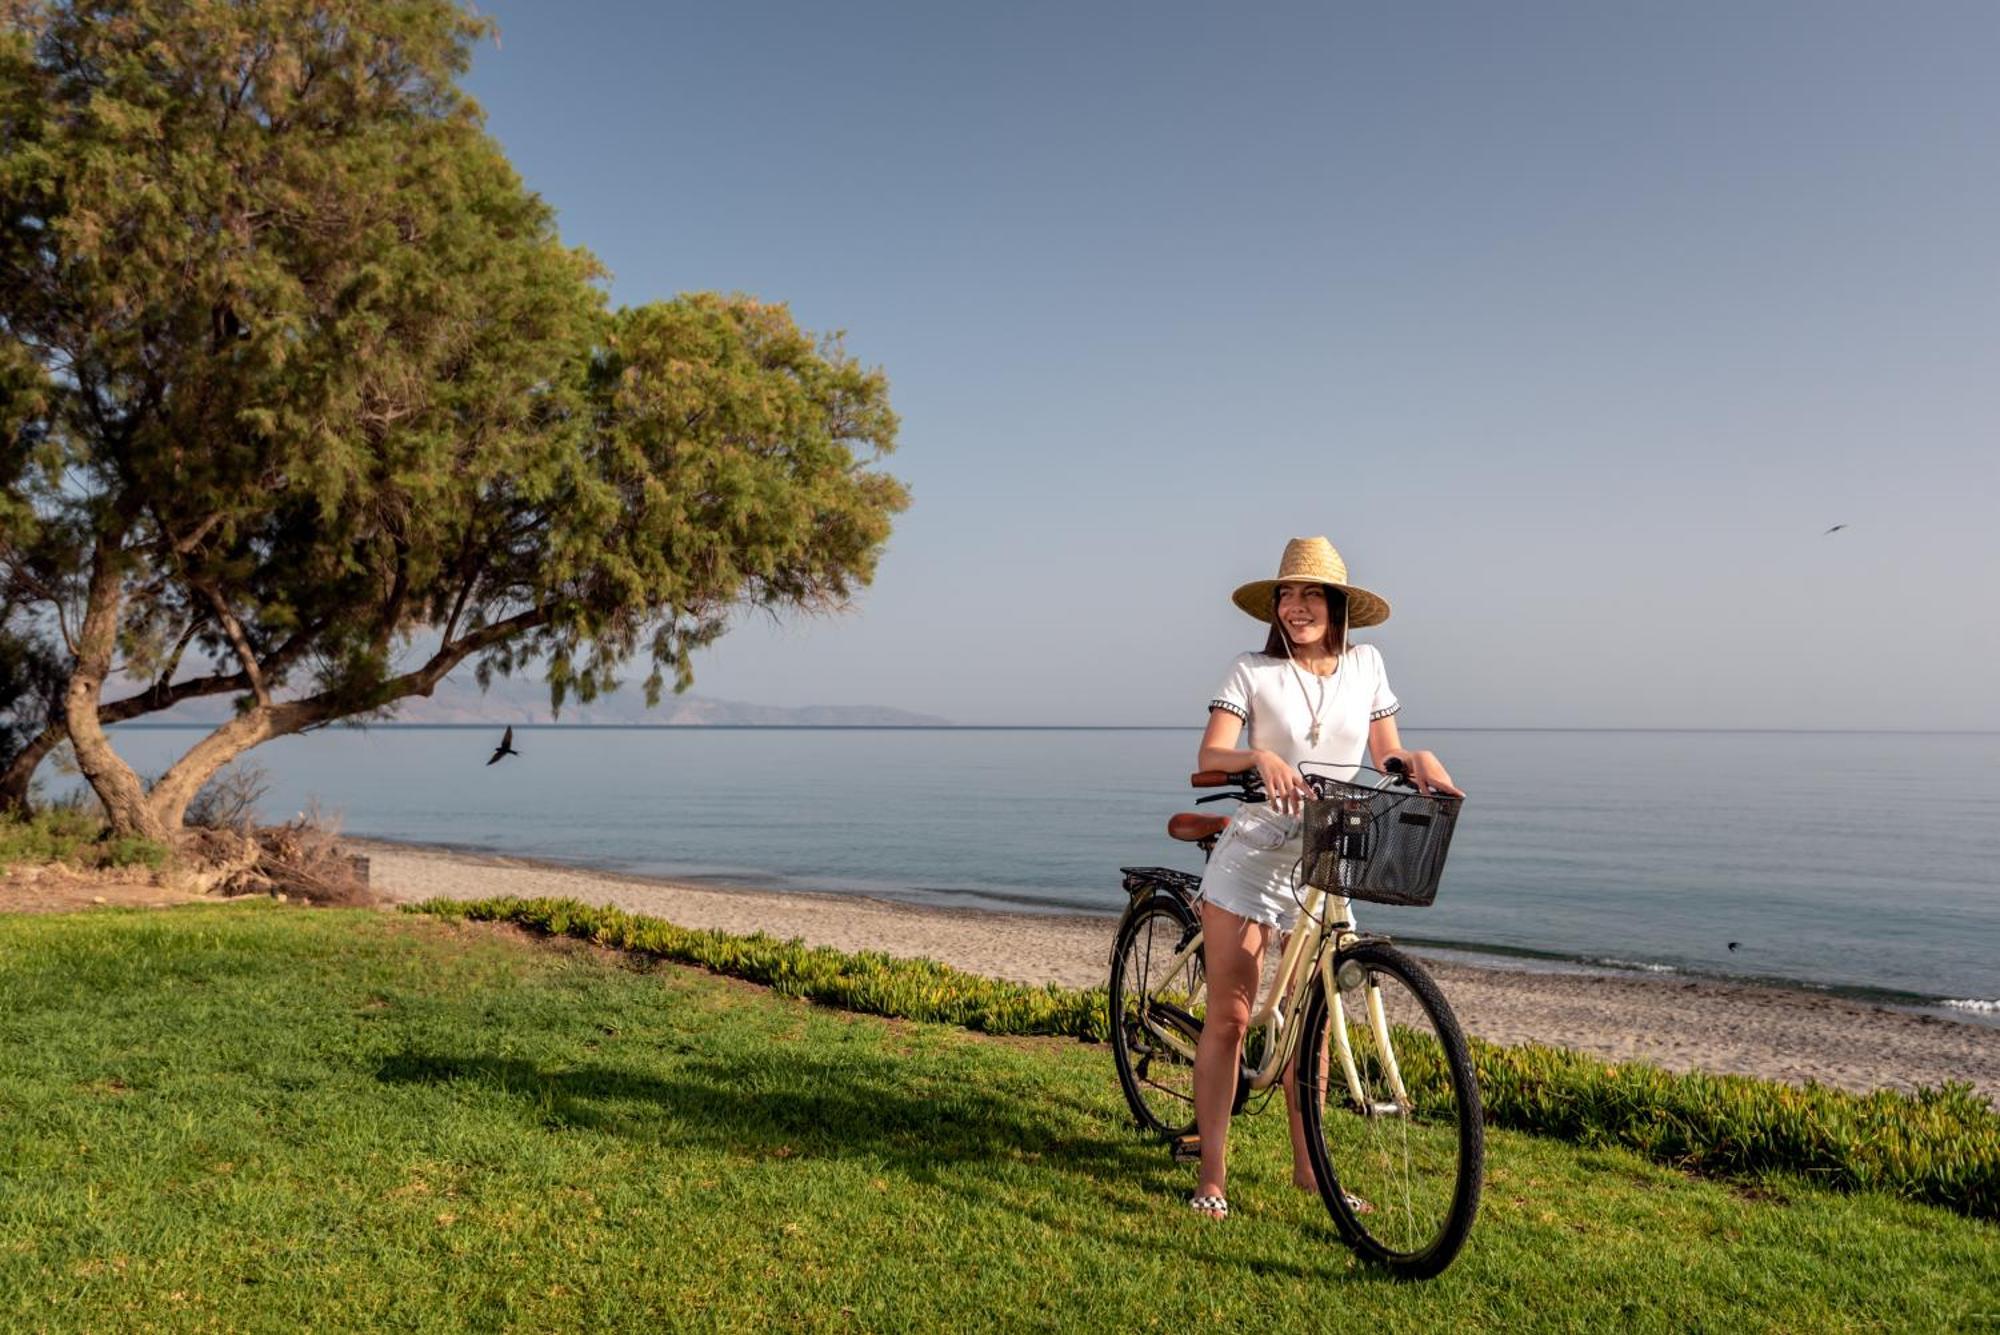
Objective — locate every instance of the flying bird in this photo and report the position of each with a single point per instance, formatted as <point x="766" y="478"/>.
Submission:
<point x="1835" y="529"/>
<point x="506" y="747"/>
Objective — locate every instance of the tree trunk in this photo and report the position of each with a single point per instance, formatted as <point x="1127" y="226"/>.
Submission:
<point x="124" y="797"/>
<point x="19" y="777"/>
<point x="168" y="802"/>
<point x="17" y="780"/>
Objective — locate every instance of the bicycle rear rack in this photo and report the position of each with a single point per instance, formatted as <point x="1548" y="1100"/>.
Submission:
<point x="1186" y="885"/>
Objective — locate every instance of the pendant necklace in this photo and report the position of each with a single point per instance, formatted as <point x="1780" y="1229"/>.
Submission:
<point x="1312" y="707"/>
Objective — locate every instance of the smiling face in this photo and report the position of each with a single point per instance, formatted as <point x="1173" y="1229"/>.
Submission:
<point x="1302" y="612"/>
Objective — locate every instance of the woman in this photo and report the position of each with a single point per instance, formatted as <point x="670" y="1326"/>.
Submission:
<point x="1308" y="697"/>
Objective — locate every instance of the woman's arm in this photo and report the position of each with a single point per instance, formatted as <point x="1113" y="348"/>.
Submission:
<point x="1282" y="783"/>
<point x="1386" y="744"/>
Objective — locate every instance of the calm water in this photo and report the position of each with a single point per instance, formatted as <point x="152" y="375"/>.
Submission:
<point x="1852" y="861"/>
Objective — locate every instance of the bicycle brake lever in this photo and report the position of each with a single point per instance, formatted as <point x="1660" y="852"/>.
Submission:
<point x="1247" y="791"/>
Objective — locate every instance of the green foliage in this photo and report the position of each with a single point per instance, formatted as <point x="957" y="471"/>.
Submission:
<point x="869" y="981"/>
<point x="727" y="472"/>
<point x="297" y="376"/>
<point x="129" y="850"/>
<point x="73" y="836"/>
<point x="1939" y="1146"/>
<point x="31" y="679"/>
<point x="283" y="293"/>
<point x="47" y="836"/>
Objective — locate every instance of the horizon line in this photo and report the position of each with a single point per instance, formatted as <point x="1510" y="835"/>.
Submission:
<point x="1059" y="727"/>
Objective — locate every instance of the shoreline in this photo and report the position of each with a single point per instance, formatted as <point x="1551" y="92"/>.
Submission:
<point x="1677" y="1020"/>
<point x="998" y="905"/>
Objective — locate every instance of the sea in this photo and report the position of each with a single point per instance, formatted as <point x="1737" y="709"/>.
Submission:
<point x="1866" y="864"/>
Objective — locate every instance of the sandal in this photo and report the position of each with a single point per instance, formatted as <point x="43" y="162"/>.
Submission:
<point x="1215" y="1206"/>
<point x="1355" y="1204"/>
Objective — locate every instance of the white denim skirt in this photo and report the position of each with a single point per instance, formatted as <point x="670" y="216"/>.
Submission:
<point x="1254" y="870"/>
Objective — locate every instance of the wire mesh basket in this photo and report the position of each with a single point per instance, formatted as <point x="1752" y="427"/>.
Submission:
<point x="1382" y="845"/>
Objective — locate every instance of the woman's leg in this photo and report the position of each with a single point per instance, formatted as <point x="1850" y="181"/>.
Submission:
<point x="1232" y="956"/>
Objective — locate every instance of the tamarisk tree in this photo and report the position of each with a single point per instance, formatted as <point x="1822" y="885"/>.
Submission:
<point x="303" y="402"/>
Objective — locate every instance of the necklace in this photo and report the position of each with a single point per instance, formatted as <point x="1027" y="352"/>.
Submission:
<point x="1313" y="706"/>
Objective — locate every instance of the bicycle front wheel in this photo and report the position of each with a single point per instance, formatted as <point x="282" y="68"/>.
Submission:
<point x="1156" y="1000"/>
<point x="1392" y="1118"/>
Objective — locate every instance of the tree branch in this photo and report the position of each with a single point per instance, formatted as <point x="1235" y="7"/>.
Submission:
<point x="399" y="589"/>
<point x="20" y="576"/>
<point x="179" y="784"/>
<point x="173" y="662"/>
<point x="457" y="607"/>
<point x="165" y="694"/>
<point x="468" y="573"/>
<point x="240" y="641"/>
<point x="193" y="540"/>
<point x="450" y="654"/>
<point x="423" y="680"/>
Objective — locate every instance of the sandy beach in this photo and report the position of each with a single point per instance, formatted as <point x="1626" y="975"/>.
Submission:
<point x="1677" y="1022"/>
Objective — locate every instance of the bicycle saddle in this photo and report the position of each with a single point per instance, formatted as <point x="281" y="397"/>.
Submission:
<point x="1194" y="826"/>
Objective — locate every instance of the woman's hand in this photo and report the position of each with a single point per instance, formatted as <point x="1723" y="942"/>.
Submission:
<point x="1284" y="787"/>
<point x="1426" y="771"/>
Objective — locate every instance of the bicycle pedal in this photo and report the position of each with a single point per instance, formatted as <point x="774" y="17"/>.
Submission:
<point x="1187" y="1149"/>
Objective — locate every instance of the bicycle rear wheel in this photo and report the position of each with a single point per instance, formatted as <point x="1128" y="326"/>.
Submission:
<point x="1155" y="1014"/>
<point x="1395" y="1131"/>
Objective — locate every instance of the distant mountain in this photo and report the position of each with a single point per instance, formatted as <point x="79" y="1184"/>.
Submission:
<point x="522" y="701"/>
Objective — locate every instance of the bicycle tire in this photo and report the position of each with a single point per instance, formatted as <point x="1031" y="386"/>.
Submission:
<point x="1158" y="1081"/>
<point x="1399" y="1168"/>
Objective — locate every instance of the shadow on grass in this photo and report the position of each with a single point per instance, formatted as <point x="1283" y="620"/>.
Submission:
<point x="867" y="1107"/>
<point x="857" y="1105"/>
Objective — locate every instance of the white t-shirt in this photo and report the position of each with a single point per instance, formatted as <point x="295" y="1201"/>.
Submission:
<point x="1278" y="702"/>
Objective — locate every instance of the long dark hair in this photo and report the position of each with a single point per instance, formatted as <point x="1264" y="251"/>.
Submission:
<point x="1279" y="645"/>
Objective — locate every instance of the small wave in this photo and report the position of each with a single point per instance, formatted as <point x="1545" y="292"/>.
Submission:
<point x="1642" y="966"/>
<point x="1014" y="900"/>
<point x="1973" y="1004"/>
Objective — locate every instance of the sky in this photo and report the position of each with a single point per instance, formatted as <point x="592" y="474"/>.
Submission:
<point x="1572" y="326"/>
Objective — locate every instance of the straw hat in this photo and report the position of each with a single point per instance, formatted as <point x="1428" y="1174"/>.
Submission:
<point x="1312" y="561"/>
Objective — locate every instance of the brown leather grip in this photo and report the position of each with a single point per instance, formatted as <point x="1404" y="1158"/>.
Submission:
<point x="1208" y="778"/>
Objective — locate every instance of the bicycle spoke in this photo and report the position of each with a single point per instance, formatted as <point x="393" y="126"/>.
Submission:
<point x="1396" y="1121"/>
<point x="1150" y="1019"/>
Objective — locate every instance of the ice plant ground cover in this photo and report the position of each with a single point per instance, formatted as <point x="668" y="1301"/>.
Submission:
<point x="249" y="1116"/>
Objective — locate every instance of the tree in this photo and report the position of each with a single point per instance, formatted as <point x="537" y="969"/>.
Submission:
<point x="300" y="382"/>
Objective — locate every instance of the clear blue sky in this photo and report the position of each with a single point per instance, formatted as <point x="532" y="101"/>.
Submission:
<point x="1572" y="326"/>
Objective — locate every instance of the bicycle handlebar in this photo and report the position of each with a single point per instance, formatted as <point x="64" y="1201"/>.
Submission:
<point x="1248" y="786"/>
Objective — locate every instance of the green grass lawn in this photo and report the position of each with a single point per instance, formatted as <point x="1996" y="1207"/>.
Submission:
<point x="259" y="1117"/>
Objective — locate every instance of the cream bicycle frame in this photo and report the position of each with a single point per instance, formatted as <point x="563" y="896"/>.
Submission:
<point x="1278" y="1018"/>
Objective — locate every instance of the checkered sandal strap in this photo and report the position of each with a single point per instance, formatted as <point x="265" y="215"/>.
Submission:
<point x="1213" y="1204"/>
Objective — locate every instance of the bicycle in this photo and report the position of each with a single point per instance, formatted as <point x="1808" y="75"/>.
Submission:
<point x="1399" y="1154"/>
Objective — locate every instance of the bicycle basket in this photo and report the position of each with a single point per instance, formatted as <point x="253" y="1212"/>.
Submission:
<point x="1382" y="845"/>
